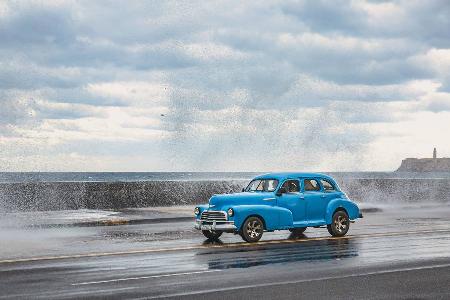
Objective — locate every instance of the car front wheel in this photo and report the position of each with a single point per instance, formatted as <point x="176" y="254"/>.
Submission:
<point x="212" y="234"/>
<point x="252" y="229"/>
<point x="339" y="224"/>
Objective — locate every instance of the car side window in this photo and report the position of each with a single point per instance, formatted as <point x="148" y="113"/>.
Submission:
<point x="311" y="185"/>
<point x="327" y="186"/>
<point x="254" y="185"/>
<point x="292" y="186"/>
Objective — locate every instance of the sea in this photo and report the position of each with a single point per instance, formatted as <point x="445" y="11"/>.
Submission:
<point x="10" y="177"/>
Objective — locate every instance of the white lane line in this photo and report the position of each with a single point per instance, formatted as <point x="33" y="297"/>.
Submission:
<point x="144" y="277"/>
<point x="274" y="284"/>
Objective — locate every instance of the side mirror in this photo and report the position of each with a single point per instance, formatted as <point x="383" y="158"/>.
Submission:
<point x="281" y="191"/>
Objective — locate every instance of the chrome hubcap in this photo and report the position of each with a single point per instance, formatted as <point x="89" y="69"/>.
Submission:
<point x="341" y="223"/>
<point x="254" y="229"/>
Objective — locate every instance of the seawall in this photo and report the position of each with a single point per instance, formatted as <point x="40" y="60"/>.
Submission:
<point x="118" y="195"/>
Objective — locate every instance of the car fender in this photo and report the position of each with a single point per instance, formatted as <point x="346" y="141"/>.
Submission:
<point x="350" y="207"/>
<point x="274" y="217"/>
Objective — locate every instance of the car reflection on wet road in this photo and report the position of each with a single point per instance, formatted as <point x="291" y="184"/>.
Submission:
<point x="328" y="249"/>
<point x="399" y="255"/>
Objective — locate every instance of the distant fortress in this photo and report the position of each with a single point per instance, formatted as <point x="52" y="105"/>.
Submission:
<point x="434" y="164"/>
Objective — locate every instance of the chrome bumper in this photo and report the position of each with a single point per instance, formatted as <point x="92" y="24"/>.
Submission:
<point x="215" y="225"/>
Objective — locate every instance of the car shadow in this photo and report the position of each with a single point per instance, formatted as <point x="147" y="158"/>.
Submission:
<point x="212" y="242"/>
<point x="297" y="236"/>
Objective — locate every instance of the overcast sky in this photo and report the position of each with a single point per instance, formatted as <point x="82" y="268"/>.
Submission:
<point x="222" y="85"/>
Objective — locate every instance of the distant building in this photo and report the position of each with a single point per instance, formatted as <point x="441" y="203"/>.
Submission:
<point x="434" y="164"/>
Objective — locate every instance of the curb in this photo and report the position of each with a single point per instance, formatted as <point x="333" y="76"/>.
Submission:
<point x="371" y="210"/>
<point x="114" y="222"/>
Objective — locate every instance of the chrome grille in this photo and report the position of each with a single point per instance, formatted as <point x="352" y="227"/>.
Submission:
<point x="214" y="216"/>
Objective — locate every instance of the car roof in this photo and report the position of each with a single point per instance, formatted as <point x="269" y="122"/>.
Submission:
<point x="284" y="175"/>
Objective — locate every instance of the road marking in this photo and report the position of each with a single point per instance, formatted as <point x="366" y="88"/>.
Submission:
<point x="242" y="287"/>
<point x="224" y="246"/>
<point x="145" y="277"/>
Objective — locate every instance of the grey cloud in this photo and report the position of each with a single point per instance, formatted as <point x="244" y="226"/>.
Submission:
<point x="81" y="96"/>
<point x="23" y="111"/>
<point x="16" y="74"/>
<point x="342" y="59"/>
<point x="83" y="53"/>
<point x="426" y="21"/>
<point x="251" y="83"/>
<point x="141" y="22"/>
<point x="30" y="26"/>
<point x="15" y="111"/>
<point x="58" y="36"/>
<point x="69" y="112"/>
<point x="327" y="16"/>
<point x="356" y="112"/>
<point x="359" y="69"/>
<point x="445" y="87"/>
<point x="439" y="105"/>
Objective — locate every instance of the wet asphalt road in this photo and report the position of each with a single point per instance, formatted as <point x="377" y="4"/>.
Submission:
<point x="403" y="254"/>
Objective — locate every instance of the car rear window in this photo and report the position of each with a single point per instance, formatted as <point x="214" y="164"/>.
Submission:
<point x="327" y="186"/>
<point x="311" y="185"/>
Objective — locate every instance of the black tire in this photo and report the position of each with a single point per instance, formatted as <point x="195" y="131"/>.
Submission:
<point x="340" y="224"/>
<point x="298" y="230"/>
<point x="212" y="235"/>
<point x="252" y="229"/>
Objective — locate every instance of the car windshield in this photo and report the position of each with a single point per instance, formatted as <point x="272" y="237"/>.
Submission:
<point x="262" y="185"/>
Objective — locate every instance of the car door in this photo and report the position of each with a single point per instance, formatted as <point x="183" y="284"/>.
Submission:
<point x="293" y="200"/>
<point x="316" y="201"/>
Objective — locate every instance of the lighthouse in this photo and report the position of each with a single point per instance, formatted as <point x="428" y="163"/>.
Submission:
<point x="434" y="153"/>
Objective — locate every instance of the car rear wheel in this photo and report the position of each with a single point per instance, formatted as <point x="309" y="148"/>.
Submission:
<point x="212" y="234"/>
<point x="252" y="229"/>
<point x="298" y="230"/>
<point x="340" y="224"/>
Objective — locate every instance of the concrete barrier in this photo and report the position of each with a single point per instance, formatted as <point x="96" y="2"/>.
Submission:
<point x="118" y="195"/>
<point x="108" y="195"/>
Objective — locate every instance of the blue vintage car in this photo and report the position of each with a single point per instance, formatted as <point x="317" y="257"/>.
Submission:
<point x="278" y="201"/>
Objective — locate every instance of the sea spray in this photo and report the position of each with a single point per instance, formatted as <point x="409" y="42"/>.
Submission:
<point x="118" y="195"/>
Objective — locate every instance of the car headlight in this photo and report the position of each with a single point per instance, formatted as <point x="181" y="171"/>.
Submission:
<point x="196" y="211"/>
<point x="230" y="212"/>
